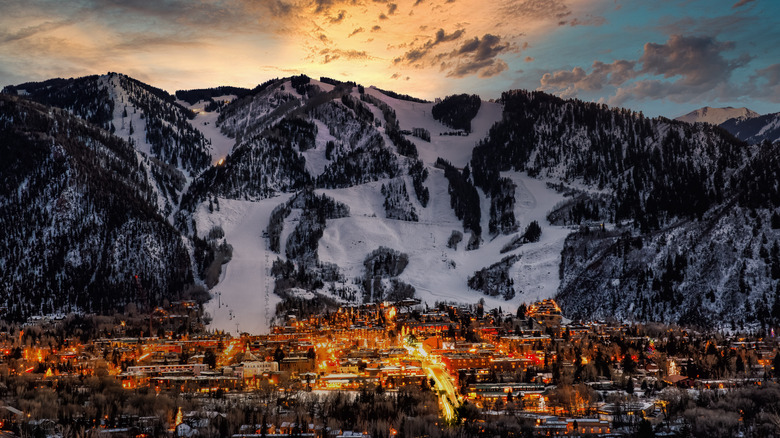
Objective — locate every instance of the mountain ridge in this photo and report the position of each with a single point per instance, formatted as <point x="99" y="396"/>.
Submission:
<point x="569" y="165"/>
<point x="717" y="116"/>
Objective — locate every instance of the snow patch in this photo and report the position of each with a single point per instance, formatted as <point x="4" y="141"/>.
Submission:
<point x="206" y="122"/>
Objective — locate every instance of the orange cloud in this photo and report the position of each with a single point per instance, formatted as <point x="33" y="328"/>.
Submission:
<point x="201" y="43"/>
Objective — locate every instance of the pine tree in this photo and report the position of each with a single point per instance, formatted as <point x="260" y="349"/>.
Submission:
<point x="533" y="232"/>
<point x="775" y="221"/>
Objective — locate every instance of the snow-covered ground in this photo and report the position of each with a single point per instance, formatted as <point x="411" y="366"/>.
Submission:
<point x="243" y="300"/>
<point x="206" y="123"/>
<point x="133" y="125"/>
<point x="437" y="272"/>
<point x="716" y="116"/>
<point x="455" y="149"/>
<point x="315" y="158"/>
<point x="536" y="274"/>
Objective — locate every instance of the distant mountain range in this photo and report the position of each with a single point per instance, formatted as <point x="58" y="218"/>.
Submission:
<point x="301" y="192"/>
<point x="743" y="123"/>
<point x="716" y="116"/>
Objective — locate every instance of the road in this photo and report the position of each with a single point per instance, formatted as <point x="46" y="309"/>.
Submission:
<point x="448" y="395"/>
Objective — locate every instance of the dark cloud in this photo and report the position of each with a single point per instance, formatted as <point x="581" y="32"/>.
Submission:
<point x="486" y="48"/>
<point x="443" y="37"/>
<point x="412" y="56"/>
<point x="563" y="78"/>
<point x="771" y="74"/>
<point x="495" y="68"/>
<point x="339" y="17"/>
<point x="356" y="31"/>
<point x="279" y="8"/>
<point x="322" y="5"/>
<point x="382" y="16"/>
<point x="469" y="46"/>
<point x="765" y="83"/>
<point x="330" y="55"/>
<point x="418" y="53"/>
<point x="536" y="9"/>
<point x="474" y="56"/>
<point x="697" y="60"/>
<point x="391" y="8"/>
<point x="683" y="68"/>
<point x="376" y="28"/>
<point x="32" y="30"/>
<point x="587" y="21"/>
<point x="484" y="69"/>
<point x="741" y="3"/>
<point x="479" y="56"/>
<point x="567" y="83"/>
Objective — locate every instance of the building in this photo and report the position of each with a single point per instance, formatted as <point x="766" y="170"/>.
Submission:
<point x="298" y="365"/>
<point x="459" y="361"/>
<point x="258" y="368"/>
<point x="153" y="370"/>
<point x="546" y="311"/>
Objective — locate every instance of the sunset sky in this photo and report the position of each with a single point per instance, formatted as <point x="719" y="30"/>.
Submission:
<point x="664" y="57"/>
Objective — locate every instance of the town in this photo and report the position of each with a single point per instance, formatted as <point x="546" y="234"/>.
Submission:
<point x="380" y="370"/>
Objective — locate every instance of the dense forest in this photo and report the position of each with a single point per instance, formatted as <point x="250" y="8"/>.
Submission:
<point x="85" y="220"/>
<point x="464" y="198"/>
<point x="208" y="94"/>
<point x="457" y="111"/>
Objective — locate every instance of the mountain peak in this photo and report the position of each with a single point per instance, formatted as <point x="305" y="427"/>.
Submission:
<point x="716" y="116"/>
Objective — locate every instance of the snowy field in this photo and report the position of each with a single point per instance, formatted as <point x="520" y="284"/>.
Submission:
<point x="455" y="149"/>
<point x="536" y="274"/>
<point x="437" y="272"/>
<point x="240" y="302"/>
<point x="206" y="123"/>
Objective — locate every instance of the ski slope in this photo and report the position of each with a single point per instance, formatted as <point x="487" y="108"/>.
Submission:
<point x="436" y="272"/>
<point x="131" y="127"/>
<point x="206" y="123"/>
<point x="455" y="149"/>
<point x="439" y="273"/>
<point x="536" y="274"/>
<point x="240" y="302"/>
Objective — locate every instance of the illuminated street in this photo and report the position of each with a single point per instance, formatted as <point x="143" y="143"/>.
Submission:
<point x="448" y="396"/>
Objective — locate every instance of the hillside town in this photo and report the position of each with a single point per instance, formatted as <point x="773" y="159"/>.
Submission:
<point x="466" y="369"/>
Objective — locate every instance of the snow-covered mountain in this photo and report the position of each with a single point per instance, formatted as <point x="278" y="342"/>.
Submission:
<point x="80" y="218"/>
<point x="299" y="193"/>
<point x="686" y="210"/>
<point x="755" y="130"/>
<point x="146" y="117"/>
<point x="716" y="116"/>
<point x="743" y="123"/>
